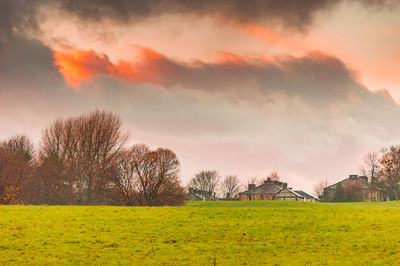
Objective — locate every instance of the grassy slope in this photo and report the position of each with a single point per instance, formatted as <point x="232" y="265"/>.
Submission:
<point x="201" y="233"/>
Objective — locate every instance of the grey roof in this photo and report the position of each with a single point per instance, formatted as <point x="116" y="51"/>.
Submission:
<point x="266" y="188"/>
<point x="337" y="183"/>
<point x="305" y="194"/>
<point x="291" y="191"/>
<point x="349" y="178"/>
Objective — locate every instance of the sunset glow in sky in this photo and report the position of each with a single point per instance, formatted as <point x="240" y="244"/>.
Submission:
<point x="305" y="88"/>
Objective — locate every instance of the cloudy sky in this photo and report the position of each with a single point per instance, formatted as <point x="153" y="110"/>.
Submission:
<point x="305" y="88"/>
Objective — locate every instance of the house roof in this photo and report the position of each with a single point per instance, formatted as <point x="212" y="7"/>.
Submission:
<point x="266" y="188"/>
<point x="305" y="194"/>
<point x="337" y="183"/>
<point x="351" y="177"/>
<point x="291" y="191"/>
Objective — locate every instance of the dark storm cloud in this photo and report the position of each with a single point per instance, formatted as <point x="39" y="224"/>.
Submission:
<point x="295" y="14"/>
<point x="19" y="15"/>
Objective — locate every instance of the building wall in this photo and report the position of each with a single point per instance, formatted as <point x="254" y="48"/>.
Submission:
<point x="287" y="195"/>
<point x="267" y="197"/>
<point x="244" y="197"/>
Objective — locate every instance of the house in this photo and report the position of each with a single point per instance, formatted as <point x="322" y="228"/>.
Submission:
<point x="270" y="190"/>
<point x="195" y="194"/>
<point x="307" y="197"/>
<point x="353" y="188"/>
<point x="288" y="194"/>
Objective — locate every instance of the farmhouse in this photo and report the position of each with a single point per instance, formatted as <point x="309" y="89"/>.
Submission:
<point x="353" y="188"/>
<point x="270" y="190"/>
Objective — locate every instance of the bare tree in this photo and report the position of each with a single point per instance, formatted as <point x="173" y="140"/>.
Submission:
<point x="206" y="181"/>
<point x="147" y="177"/>
<point x="251" y="180"/>
<point x="254" y="180"/>
<point x="16" y="162"/>
<point x="87" y="146"/>
<point x="372" y="170"/>
<point x="319" y="188"/>
<point x="19" y="146"/>
<point x="390" y="167"/>
<point x="274" y="176"/>
<point x="49" y="184"/>
<point x="370" y="167"/>
<point x="230" y="186"/>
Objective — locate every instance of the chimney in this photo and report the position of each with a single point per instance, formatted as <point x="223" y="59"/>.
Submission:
<point x="251" y="186"/>
<point x="353" y="176"/>
<point x="284" y="185"/>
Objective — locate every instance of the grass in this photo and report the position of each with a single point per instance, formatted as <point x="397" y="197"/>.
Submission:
<point x="203" y="233"/>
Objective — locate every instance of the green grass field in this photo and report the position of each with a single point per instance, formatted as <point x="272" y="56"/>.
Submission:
<point x="203" y="233"/>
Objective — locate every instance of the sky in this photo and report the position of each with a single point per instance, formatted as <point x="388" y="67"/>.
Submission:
<point x="305" y="88"/>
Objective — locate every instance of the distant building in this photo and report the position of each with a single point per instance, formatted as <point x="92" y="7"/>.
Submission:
<point x="353" y="188"/>
<point x="307" y="197"/>
<point x="270" y="190"/>
<point x="195" y="194"/>
<point x="288" y="194"/>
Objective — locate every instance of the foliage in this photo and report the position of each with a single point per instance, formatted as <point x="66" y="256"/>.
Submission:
<point x="203" y="233"/>
<point x="10" y="196"/>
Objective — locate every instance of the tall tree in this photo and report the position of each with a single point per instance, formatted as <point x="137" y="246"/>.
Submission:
<point x="390" y="167"/>
<point x="371" y="168"/>
<point x="86" y="145"/>
<point x="206" y="181"/>
<point x="16" y="164"/>
<point x="146" y="177"/>
<point x="230" y="186"/>
<point x="19" y="146"/>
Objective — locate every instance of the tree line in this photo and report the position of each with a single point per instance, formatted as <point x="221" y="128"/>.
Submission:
<point x="85" y="160"/>
<point x="211" y="183"/>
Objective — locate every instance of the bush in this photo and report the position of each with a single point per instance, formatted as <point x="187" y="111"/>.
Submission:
<point x="10" y="196"/>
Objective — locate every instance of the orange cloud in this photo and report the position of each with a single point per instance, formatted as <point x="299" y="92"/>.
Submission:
<point x="154" y="68"/>
<point x="81" y="66"/>
<point x="226" y="57"/>
<point x="269" y="37"/>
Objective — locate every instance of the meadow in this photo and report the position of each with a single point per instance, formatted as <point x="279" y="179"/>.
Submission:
<point x="203" y="233"/>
